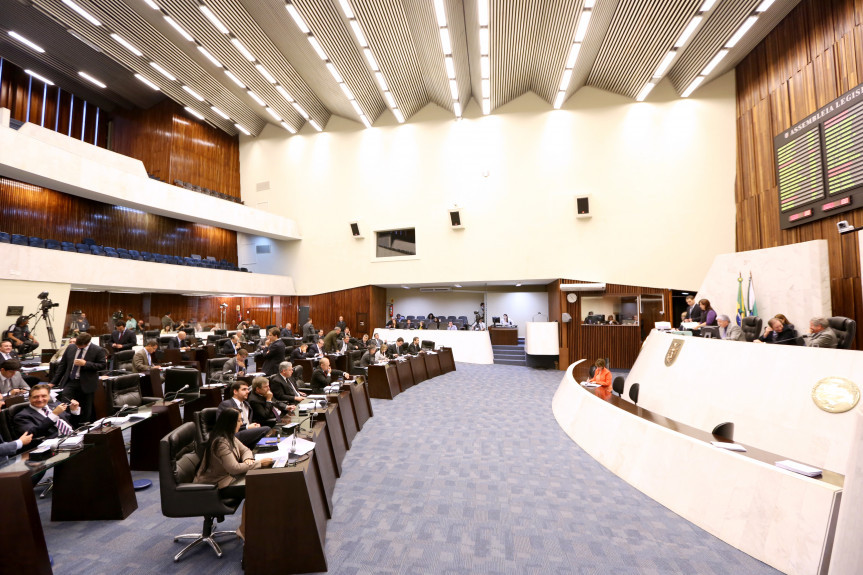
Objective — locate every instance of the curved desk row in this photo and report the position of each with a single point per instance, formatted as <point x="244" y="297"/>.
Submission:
<point x="467" y="346"/>
<point x="388" y="380"/>
<point x="781" y="518"/>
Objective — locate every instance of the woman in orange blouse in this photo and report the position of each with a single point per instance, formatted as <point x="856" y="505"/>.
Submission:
<point x="603" y="377"/>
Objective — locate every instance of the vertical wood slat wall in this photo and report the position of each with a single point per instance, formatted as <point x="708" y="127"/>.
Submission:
<point x="174" y="146"/>
<point x="63" y="112"/>
<point x="812" y="57"/>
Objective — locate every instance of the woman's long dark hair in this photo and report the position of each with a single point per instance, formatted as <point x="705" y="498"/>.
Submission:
<point x="225" y="428"/>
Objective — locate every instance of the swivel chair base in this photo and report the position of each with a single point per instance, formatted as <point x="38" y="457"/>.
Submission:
<point x="208" y="535"/>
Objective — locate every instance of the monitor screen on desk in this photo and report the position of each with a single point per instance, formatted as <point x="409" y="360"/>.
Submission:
<point x="495" y="320"/>
<point x="710" y="331"/>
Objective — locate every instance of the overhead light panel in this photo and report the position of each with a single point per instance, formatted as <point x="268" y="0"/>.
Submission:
<point x="234" y="79"/>
<point x="220" y="113"/>
<point x="440" y="13"/>
<point x="400" y="118"/>
<point x="334" y="73"/>
<point x="583" y="22"/>
<point x="281" y="90"/>
<point x="346" y="8"/>
<point x="482" y="12"/>
<point x="86" y="15"/>
<point x="214" y="20"/>
<point x="484" y="67"/>
<point x="744" y="28"/>
<point x="146" y="81"/>
<point x="292" y="10"/>
<point x="445" y="41"/>
<point x="242" y="129"/>
<point x="193" y="93"/>
<point x="691" y="88"/>
<point x="764" y="6"/>
<point x="381" y="82"/>
<point x="288" y="127"/>
<point x="265" y="73"/>
<point x="209" y="56"/>
<point x="315" y="125"/>
<point x="665" y="63"/>
<point x="163" y="72"/>
<point x="178" y="28"/>
<point x="151" y="4"/>
<point x="715" y="62"/>
<point x="365" y="121"/>
<point x="273" y="113"/>
<point x="346" y="91"/>
<point x="486" y="88"/>
<point x="256" y="98"/>
<point x="565" y="80"/>
<point x="453" y="89"/>
<point x="483" y="40"/>
<point x="242" y="49"/>
<point x="92" y="80"/>
<point x="486" y="106"/>
<point x="316" y="46"/>
<point x="391" y="102"/>
<point x="687" y="32"/>
<point x="358" y="33"/>
<point x="356" y="108"/>
<point x="195" y="113"/>
<point x="450" y="67"/>
<point x="373" y="64"/>
<point x="38" y="77"/>
<point x="644" y="92"/>
<point x="300" y="110"/>
<point x="125" y="43"/>
<point x="572" y="57"/>
<point x="558" y="100"/>
<point x="26" y="42"/>
<point x="456" y="108"/>
<point x="708" y="4"/>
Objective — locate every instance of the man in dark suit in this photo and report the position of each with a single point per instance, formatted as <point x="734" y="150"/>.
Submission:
<point x="286" y="331"/>
<point x="250" y="432"/>
<point x="341" y="323"/>
<point x="236" y="366"/>
<point x="78" y="372"/>
<point x="180" y="342"/>
<point x="308" y="331"/>
<point x="231" y="346"/>
<point x="377" y="340"/>
<point x="122" y="338"/>
<point x="7" y="351"/>
<point x="368" y="357"/>
<point x="44" y="421"/>
<point x="693" y="310"/>
<point x="415" y="347"/>
<point x="300" y="352"/>
<point x="324" y="376"/>
<point x="316" y="349"/>
<point x="285" y="385"/>
<point x="266" y="410"/>
<point x="399" y="348"/>
<point x="272" y="354"/>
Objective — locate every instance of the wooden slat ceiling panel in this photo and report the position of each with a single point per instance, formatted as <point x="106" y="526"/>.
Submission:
<point x="513" y="30"/>
<point x="471" y="26"/>
<point x="640" y="35"/>
<point x="556" y="24"/>
<point x="115" y="15"/>
<point x="388" y="35"/>
<point x="421" y="19"/>
<point x="600" y="21"/>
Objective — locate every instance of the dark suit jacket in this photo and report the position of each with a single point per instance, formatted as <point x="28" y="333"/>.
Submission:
<point x="298" y="354"/>
<point x="30" y="420"/>
<point x="229" y="403"/>
<point x="414" y="348"/>
<point x="284" y="389"/>
<point x="97" y="360"/>
<point x="228" y="348"/>
<point x="231" y="366"/>
<point x="127" y="339"/>
<point x="286" y="333"/>
<point x="272" y="356"/>
<point x="367" y="359"/>
<point x="320" y="380"/>
<point x="694" y="313"/>
<point x="342" y="325"/>
<point x="315" y="349"/>
<point x="308" y="330"/>
<point x="262" y="410"/>
<point x="174" y="343"/>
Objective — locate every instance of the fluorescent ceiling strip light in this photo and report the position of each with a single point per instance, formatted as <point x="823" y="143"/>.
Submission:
<point x="265" y="73"/>
<point x="486" y="106"/>
<point x="456" y="108"/>
<point x="242" y="129"/>
<point x="391" y="102"/>
<point x="346" y="8"/>
<point x="356" y="107"/>
<point x="125" y="44"/>
<point x="234" y="79"/>
<point x="334" y="72"/>
<point x="281" y="90"/>
<point x="715" y="62"/>
<point x="256" y="98"/>
<point x="84" y="40"/>
<point x="484" y="67"/>
<point x="381" y="82"/>
<point x="440" y="13"/>
<point x="764" y="6"/>
<point x="400" y="118"/>
<point x="315" y="125"/>
<point x="365" y="121"/>
<point x="347" y="91"/>
<point x="151" y="4"/>
<point x="38" y="77"/>
<point x="214" y="20"/>
<point x="450" y="67"/>
<point x="300" y="109"/>
<point x="179" y="28"/>
<point x="219" y="112"/>
<point x="453" y="89"/>
<point x="744" y="28"/>
<point x="163" y="72"/>
<point x="195" y="113"/>
<point x="146" y="81"/>
<point x="91" y="79"/>
<point x="564" y="82"/>
<point x="26" y="42"/>
<point x="644" y="92"/>
<point x="687" y="32"/>
<point x="371" y="59"/>
<point x="242" y="49"/>
<point x="573" y="55"/>
<point x="86" y="15"/>
<point x="666" y="62"/>
<point x="445" y="41"/>
<point x="695" y="83"/>
<point x="193" y="93"/>
<point x="583" y="21"/>
<point x="482" y="12"/>
<point x="209" y="56"/>
<point x="708" y="4"/>
<point x="292" y="10"/>
<point x="486" y="88"/>
<point x="358" y="33"/>
<point x="288" y="127"/>
<point x="317" y="47"/>
<point x="558" y="100"/>
<point x="273" y="114"/>
<point x="483" y="41"/>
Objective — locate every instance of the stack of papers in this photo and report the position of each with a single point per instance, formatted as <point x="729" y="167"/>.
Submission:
<point x="799" y="468"/>
<point x="301" y="447"/>
<point x="728" y="446"/>
<point x="68" y="442"/>
<point x="111" y="421"/>
<point x="590" y="384"/>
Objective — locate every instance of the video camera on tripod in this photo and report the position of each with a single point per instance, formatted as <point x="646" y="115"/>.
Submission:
<point x="45" y="304"/>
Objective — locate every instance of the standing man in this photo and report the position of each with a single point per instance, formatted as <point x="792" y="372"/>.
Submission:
<point x="308" y="331"/>
<point x="122" y="338"/>
<point x="78" y="372"/>
<point x="80" y="324"/>
<point x="132" y="324"/>
<point x="693" y="310"/>
<point x="22" y="339"/>
<point x="142" y="361"/>
<point x="272" y="354"/>
<point x="167" y="322"/>
<point x="341" y="323"/>
<point x="331" y="338"/>
<point x="250" y="433"/>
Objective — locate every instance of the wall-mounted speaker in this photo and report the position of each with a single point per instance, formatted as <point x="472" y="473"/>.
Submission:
<point x="582" y="206"/>
<point x="355" y="230"/>
<point x="565" y="317"/>
<point x="455" y="219"/>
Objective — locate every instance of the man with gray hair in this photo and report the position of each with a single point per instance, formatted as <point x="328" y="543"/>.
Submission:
<point x="820" y="334"/>
<point x="285" y="385"/>
<point x="729" y="331"/>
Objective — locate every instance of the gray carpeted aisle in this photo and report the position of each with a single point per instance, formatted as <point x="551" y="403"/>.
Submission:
<point x="466" y="473"/>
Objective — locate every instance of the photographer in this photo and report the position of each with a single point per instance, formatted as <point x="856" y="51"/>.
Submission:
<point x="79" y="324"/>
<point x="22" y="339"/>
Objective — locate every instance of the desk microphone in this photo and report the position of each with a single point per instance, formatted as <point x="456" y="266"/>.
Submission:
<point x="125" y="407"/>
<point x="176" y="393"/>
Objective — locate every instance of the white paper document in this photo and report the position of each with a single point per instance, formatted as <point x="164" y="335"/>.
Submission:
<point x="728" y="446"/>
<point x="68" y="442"/>
<point x="302" y="447"/>
<point x="798" y="468"/>
<point x="590" y="384"/>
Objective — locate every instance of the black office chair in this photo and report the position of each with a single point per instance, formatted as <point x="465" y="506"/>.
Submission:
<point x="163" y="340"/>
<point x="151" y="333"/>
<point x="221" y="342"/>
<point x="633" y="392"/>
<point x="214" y="368"/>
<point x="724" y="430"/>
<point x="178" y="377"/>
<point x="126" y="390"/>
<point x="123" y="359"/>
<point x="751" y="327"/>
<point x="846" y="330"/>
<point x="427" y="344"/>
<point x="617" y="385"/>
<point x="178" y="464"/>
<point x="354" y="357"/>
<point x="221" y="332"/>
<point x="205" y="421"/>
<point x="591" y="372"/>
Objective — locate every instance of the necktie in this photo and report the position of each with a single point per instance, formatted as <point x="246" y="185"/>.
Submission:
<point x="62" y="427"/>
<point x="76" y="370"/>
<point x="149" y="361"/>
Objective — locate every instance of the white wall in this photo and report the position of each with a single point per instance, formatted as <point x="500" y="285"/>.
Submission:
<point x="520" y="306"/>
<point x="515" y="173"/>
<point x="20" y="292"/>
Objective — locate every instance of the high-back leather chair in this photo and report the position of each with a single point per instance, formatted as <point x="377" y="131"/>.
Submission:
<point x="8" y="431"/>
<point x="427" y="344"/>
<point x="633" y="392"/>
<point x="617" y="385"/>
<point x="126" y="390"/>
<point x="177" y="377"/>
<point x="123" y="359"/>
<point x="178" y="464"/>
<point x="205" y="421"/>
<point x="846" y="330"/>
<point x="214" y="368"/>
<point x="751" y="327"/>
<point x="724" y="430"/>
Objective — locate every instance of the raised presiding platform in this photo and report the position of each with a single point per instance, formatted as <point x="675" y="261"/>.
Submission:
<point x="467" y="346"/>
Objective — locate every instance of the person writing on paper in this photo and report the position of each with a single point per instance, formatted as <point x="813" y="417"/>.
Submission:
<point x="226" y="460"/>
<point x="602" y="377"/>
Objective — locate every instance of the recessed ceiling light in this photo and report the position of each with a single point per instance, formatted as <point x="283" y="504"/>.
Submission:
<point x="486" y="106"/>
<point x="151" y="4"/>
<point x="300" y="110"/>
<point x="691" y="88"/>
<point x="381" y="82"/>
<point x="347" y="91"/>
<point x="373" y="64"/>
<point x="235" y="80"/>
<point x="365" y="121"/>
<point x="315" y="125"/>
<point x="456" y="108"/>
<point x="125" y="44"/>
<point x="209" y="56"/>
<point x="316" y="46"/>
<point x="163" y="72"/>
<point x="194" y="94"/>
<point x="26" y="42"/>
<point x="346" y="8"/>
<point x="666" y="62"/>
<point x="334" y="72"/>
<point x="91" y="79"/>
<point x="288" y="127"/>
<point x="242" y="129"/>
<point x="281" y="90"/>
<point x="687" y="32"/>
<point x="146" y="81"/>
<point x="400" y="118"/>
<point x="178" y="28"/>
<point x="558" y="100"/>
<point x="274" y="114"/>
<point x="38" y="77"/>
<point x="358" y="33"/>
<point x="292" y="10"/>
<point x="265" y="73"/>
<point x="195" y="113"/>
<point x="457" y="285"/>
<point x="482" y="6"/>
<point x="391" y="102"/>
<point x="214" y="20"/>
<point x="445" y="41"/>
<point x="744" y="28"/>
<point x="517" y="285"/>
<point x="644" y="92"/>
<point x="219" y="112"/>
<point x="87" y="16"/>
<point x="242" y="49"/>
<point x="256" y="98"/>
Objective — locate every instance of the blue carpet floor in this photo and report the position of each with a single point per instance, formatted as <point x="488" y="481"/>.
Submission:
<point x="466" y="473"/>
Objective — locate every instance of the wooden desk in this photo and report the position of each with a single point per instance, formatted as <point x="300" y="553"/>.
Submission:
<point x="286" y="520"/>
<point x="338" y="361"/>
<point x="383" y="381"/>
<point x="151" y="383"/>
<point x="406" y="376"/>
<point x="360" y="403"/>
<point x="447" y="361"/>
<point x="432" y="364"/>
<point x="21" y="528"/>
<point x="503" y="335"/>
<point x="418" y="368"/>
<point x="144" y="453"/>
<point x="335" y="432"/>
<point x="346" y="415"/>
<point x="325" y="463"/>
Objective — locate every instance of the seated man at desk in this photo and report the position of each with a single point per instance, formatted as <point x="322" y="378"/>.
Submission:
<point x="236" y="366"/>
<point x="286" y="331"/>
<point x="285" y="385"/>
<point x="324" y="376"/>
<point x="301" y="352"/>
<point x="11" y="381"/>
<point x="368" y="357"/>
<point x="142" y="361"/>
<point x="316" y="349"/>
<point x="415" y="347"/>
<point x="250" y="432"/>
<point x="376" y="340"/>
<point x="231" y="346"/>
<point x="821" y="334"/>
<point x="122" y="338"/>
<point x="10" y="448"/>
<point x="399" y="348"/>
<point x="776" y="332"/>
<point x="180" y="342"/>
<point x="451" y="327"/>
<point x="7" y="351"/>
<point x="266" y="410"/>
<point x="728" y="330"/>
<point x="43" y="421"/>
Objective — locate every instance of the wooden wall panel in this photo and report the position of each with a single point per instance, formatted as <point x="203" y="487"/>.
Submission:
<point x="326" y="308"/>
<point x="814" y="55"/>
<point x="174" y="146"/>
<point x="36" y="211"/>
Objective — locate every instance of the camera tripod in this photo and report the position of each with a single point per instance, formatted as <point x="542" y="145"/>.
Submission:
<point x="49" y="325"/>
